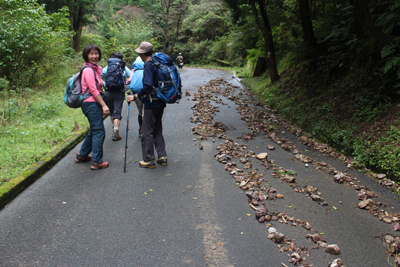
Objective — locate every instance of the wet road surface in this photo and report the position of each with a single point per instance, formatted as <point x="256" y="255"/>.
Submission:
<point x="189" y="213"/>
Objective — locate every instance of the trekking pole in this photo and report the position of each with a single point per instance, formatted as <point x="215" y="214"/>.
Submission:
<point x="127" y="130"/>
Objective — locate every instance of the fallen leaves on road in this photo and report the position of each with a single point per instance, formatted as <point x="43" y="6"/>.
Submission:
<point x="258" y="118"/>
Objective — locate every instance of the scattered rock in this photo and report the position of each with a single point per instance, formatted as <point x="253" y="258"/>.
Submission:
<point x="333" y="249"/>
<point x="270" y="147"/>
<point x="306" y="225"/>
<point x="322" y="244"/>
<point x="336" y="263"/>
<point x="261" y="211"/>
<point x="396" y="227"/>
<point x="316" y="237"/>
<point x="252" y="195"/>
<point x="262" y="156"/>
<point x="380" y="176"/>
<point x="279" y="237"/>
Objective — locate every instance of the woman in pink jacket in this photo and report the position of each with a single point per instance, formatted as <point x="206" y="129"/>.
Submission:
<point x="94" y="108"/>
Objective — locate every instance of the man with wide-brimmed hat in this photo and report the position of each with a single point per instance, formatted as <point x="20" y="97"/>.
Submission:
<point x="152" y="136"/>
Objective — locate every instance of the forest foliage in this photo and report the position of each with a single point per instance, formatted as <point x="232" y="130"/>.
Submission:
<point x="323" y="57"/>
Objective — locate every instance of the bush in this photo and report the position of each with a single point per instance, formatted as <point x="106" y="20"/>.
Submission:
<point x="31" y="41"/>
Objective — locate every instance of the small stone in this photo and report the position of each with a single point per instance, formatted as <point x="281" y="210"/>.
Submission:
<point x="262" y="156"/>
<point x="307" y="226"/>
<point x="381" y="176"/>
<point x="279" y="237"/>
<point x="271" y="236"/>
<point x="316" y="238"/>
<point x="261" y="211"/>
<point x="333" y="249"/>
<point x="336" y="263"/>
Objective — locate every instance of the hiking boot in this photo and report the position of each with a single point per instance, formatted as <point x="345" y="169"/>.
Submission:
<point x="162" y="161"/>
<point x="116" y="136"/>
<point x="148" y="164"/>
<point x="97" y="165"/>
<point x="80" y="158"/>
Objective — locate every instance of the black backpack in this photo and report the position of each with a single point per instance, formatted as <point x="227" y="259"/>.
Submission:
<point x="115" y="76"/>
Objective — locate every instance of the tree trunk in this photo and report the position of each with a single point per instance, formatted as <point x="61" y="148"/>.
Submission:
<point x="265" y="28"/>
<point x="178" y="27"/>
<point x="306" y="24"/>
<point x="364" y="26"/>
<point x="165" y="5"/>
<point x="79" y="29"/>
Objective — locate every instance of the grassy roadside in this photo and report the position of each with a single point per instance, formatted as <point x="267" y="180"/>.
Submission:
<point x="34" y="122"/>
<point x="356" y="122"/>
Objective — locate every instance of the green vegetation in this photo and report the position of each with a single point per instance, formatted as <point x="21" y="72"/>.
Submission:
<point x="33" y="123"/>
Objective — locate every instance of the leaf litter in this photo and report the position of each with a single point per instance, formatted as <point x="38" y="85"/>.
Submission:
<point x="252" y="181"/>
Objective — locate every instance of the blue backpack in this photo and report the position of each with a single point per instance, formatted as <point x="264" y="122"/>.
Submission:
<point x="115" y="78"/>
<point x="73" y="95"/>
<point x="169" y="80"/>
<point x="137" y="77"/>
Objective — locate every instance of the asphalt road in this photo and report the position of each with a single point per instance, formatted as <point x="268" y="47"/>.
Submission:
<point x="189" y="213"/>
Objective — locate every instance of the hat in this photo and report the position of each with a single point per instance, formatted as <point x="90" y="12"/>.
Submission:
<point x="144" y="47"/>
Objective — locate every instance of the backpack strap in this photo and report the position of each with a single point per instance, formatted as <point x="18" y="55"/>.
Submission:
<point x="85" y="95"/>
<point x="154" y="91"/>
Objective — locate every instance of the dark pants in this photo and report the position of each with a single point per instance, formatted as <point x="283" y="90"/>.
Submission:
<point x="152" y="134"/>
<point x="114" y="101"/>
<point x="95" y="138"/>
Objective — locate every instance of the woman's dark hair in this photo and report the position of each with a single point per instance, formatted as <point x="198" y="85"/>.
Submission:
<point x="117" y="55"/>
<point x="87" y="49"/>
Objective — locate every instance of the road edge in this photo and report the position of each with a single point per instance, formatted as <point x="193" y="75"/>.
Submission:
<point x="12" y="188"/>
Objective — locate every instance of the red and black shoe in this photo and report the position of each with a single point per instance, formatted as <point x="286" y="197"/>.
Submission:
<point x="80" y="158"/>
<point x="97" y="165"/>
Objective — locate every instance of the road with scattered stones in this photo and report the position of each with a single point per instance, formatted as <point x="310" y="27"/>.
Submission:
<point x="215" y="204"/>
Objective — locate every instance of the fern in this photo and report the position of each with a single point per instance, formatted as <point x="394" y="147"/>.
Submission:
<point x="391" y="63"/>
<point x="387" y="50"/>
